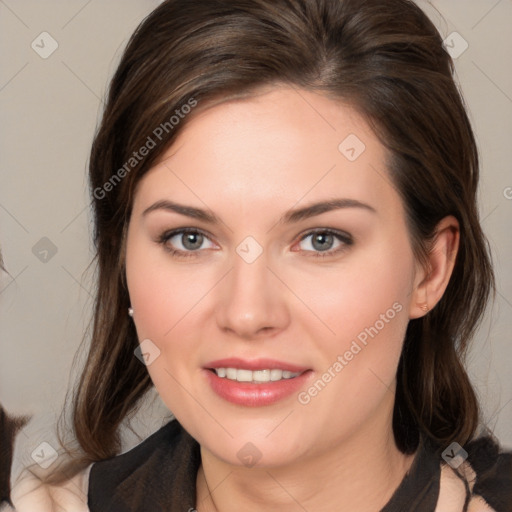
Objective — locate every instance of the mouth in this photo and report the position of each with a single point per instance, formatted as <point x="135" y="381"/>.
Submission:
<point x="256" y="382"/>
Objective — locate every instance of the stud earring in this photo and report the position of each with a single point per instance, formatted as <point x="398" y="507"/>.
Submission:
<point x="424" y="307"/>
<point x="130" y="311"/>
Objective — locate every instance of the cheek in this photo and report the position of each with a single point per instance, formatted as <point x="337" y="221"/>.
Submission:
<point x="167" y="299"/>
<point x="162" y="293"/>
<point x="364" y="310"/>
<point x="364" y="296"/>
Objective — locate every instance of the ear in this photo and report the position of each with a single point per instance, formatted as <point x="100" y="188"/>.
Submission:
<point x="430" y="283"/>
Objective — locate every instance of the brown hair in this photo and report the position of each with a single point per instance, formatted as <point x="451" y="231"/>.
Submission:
<point x="384" y="58"/>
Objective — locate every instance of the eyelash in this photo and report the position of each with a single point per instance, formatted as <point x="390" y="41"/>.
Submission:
<point x="345" y="238"/>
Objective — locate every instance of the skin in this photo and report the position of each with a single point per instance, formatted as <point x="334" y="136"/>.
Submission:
<point x="250" y="161"/>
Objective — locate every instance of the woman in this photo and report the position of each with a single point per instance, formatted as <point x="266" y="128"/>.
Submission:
<point x="289" y="250"/>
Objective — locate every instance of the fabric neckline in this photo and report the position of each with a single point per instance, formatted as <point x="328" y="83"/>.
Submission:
<point x="140" y="479"/>
<point x="420" y="485"/>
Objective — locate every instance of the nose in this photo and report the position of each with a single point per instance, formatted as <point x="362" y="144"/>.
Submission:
<point x="252" y="302"/>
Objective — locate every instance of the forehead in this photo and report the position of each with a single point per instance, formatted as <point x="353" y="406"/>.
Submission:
<point x="281" y="145"/>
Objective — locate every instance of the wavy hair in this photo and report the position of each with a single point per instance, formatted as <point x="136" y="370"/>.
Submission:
<point x="387" y="60"/>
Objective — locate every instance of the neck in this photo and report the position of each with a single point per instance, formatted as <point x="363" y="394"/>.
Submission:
<point x="360" y="473"/>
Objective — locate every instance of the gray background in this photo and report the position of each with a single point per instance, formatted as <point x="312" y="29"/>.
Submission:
<point x="49" y="109"/>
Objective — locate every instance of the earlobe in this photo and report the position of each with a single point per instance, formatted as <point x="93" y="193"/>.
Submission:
<point x="441" y="260"/>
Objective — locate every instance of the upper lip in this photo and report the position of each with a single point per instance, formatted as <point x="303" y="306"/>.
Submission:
<point x="254" y="364"/>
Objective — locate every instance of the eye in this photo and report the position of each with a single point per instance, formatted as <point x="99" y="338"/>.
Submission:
<point x="187" y="242"/>
<point x="320" y="242"/>
<point x="184" y="242"/>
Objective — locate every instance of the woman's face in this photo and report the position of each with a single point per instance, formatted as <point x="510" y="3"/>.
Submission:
<point x="252" y="290"/>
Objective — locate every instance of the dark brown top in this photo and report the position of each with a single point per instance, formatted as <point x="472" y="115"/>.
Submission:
<point x="160" y="475"/>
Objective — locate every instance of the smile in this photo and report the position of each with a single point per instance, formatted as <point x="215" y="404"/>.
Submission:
<point x="255" y="382"/>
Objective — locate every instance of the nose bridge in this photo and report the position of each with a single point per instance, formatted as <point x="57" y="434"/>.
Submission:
<point x="251" y="300"/>
<point x="249" y="279"/>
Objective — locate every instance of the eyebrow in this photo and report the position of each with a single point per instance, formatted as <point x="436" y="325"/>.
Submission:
<point x="290" y="217"/>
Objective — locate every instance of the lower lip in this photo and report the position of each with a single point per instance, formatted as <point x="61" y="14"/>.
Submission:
<point x="249" y="394"/>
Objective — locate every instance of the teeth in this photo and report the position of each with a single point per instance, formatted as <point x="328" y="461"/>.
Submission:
<point x="261" y="375"/>
<point x="276" y="374"/>
<point x="256" y="376"/>
<point x="244" y="375"/>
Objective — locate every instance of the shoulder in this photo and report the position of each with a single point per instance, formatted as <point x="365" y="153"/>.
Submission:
<point x="30" y="492"/>
<point x="115" y="470"/>
<point x="113" y="481"/>
<point x="484" y="478"/>
<point x="493" y="472"/>
<point x="150" y="476"/>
